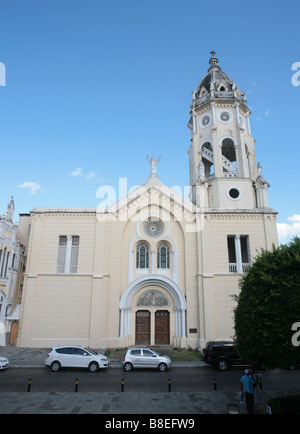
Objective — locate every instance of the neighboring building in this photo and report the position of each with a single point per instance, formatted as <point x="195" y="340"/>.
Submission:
<point x="11" y="272"/>
<point x="155" y="268"/>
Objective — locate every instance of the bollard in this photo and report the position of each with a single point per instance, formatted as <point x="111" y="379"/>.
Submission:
<point x="122" y="385"/>
<point x="169" y="382"/>
<point x="215" y="384"/>
<point x="29" y="385"/>
<point x="260" y="383"/>
<point x="76" y="385"/>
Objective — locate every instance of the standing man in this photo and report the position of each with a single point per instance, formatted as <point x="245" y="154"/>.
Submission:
<point x="247" y="382"/>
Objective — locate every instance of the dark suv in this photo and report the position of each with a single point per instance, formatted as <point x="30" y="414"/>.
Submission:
<point x="220" y="354"/>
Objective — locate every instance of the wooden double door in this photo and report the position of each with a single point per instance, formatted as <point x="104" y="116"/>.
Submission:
<point x="161" y="327"/>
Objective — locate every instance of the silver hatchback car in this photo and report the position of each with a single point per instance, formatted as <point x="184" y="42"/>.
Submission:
<point x="145" y="358"/>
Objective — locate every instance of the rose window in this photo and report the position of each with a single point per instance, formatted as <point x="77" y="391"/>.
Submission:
<point x="153" y="228"/>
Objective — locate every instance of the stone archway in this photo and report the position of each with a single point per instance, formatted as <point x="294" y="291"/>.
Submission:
<point x="173" y="291"/>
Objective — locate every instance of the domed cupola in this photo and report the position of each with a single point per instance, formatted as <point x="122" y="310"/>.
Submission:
<point x="214" y="80"/>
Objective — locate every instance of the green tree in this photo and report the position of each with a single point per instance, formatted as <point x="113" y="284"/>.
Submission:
<point x="267" y="307"/>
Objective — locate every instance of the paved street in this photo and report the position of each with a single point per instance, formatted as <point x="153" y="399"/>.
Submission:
<point x="143" y="380"/>
<point x="145" y="391"/>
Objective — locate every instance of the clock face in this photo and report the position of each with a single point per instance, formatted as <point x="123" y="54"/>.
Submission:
<point x="225" y="116"/>
<point x="205" y="120"/>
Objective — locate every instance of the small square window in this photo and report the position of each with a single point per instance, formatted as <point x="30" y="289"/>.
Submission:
<point x="75" y="241"/>
<point x="62" y="240"/>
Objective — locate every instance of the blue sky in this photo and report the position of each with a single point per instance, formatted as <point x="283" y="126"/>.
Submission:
<point x="92" y="87"/>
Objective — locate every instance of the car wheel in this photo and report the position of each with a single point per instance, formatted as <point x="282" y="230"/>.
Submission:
<point x="55" y="366"/>
<point x="222" y="365"/>
<point x="93" y="367"/>
<point x="128" y="367"/>
<point x="162" y="367"/>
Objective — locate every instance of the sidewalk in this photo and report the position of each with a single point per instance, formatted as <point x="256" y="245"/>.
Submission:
<point x="118" y="403"/>
<point x="180" y="403"/>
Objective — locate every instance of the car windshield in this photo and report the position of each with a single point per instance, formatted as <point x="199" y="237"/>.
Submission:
<point x="92" y="352"/>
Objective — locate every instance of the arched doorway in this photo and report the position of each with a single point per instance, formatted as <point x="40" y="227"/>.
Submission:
<point x="167" y="312"/>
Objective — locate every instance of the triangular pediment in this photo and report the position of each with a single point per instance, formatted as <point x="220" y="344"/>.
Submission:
<point x="154" y="200"/>
<point x="153" y="192"/>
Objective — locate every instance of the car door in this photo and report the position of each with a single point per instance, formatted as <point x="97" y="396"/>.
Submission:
<point x="149" y="359"/>
<point x="136" y="358"/>
<point x="232" y="353"/>
<point x="81" y="358"/>
<point x="65" y="356"/>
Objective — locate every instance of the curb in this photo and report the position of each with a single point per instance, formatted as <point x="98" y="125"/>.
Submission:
<point x="115" y="365"/>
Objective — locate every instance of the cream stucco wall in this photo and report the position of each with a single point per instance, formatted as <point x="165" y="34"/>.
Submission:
<point x="96" y="306"/>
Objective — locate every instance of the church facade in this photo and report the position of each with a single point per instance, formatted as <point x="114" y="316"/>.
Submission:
<point x="155" y="268"/>
<point x="12" y="259"/>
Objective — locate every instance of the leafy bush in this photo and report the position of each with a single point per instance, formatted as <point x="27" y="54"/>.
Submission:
<point x="286" y="405"/>
<point x="268" y="306"/>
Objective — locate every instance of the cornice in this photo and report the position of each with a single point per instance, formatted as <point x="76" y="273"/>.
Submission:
<point x="239" y="214"/>
<point x="35" y="211"/>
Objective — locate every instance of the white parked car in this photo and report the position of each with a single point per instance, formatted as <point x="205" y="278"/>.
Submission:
<point x="3" y="363"/>
<point x="75" y="357"/>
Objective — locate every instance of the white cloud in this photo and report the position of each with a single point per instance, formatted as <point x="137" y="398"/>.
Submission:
<point x="91" y="174"/>
<point x="33" y="186"/>
<point x="260" y="116"/>
<point x="77" y="172"/>
<point x="286" y="231"/>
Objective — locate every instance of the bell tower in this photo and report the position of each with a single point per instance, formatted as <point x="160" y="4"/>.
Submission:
<point x="222" y="155"/>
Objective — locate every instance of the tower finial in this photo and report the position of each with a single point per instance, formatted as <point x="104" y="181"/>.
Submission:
<point x="213" y="61"/>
